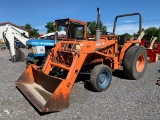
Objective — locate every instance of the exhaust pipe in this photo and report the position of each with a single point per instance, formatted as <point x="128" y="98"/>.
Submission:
<point x="98" y="32"/>
<point x="55" y="37"/>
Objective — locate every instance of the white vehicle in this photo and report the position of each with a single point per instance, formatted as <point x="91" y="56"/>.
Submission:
<point x="11" y="37"/>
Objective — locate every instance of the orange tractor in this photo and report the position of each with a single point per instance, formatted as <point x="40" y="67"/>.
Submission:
<point x="49" y="89"/>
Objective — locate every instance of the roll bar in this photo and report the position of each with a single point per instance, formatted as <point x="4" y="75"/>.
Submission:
<point x="133" y="14"/>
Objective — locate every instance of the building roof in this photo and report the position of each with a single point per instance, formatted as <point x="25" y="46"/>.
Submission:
<point x="4" y="23"/>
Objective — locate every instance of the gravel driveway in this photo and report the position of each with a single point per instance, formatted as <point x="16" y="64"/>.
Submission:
<point x="124" y="99"/>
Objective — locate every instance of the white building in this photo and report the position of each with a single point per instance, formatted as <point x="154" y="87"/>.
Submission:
<point x="16" y="27"/>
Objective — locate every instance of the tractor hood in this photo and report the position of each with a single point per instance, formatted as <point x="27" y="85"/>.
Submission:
<point x="38" y="42"/>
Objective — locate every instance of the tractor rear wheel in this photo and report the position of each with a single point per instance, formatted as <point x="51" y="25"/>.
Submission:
<point x="135" y="62"/>
<point x="100" y="78"/>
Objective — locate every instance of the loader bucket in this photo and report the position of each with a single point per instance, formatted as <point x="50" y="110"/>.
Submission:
<point x="43" y="91"/>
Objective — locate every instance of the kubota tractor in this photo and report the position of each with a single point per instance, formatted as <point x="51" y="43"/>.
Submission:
<point x="49" y="89"/>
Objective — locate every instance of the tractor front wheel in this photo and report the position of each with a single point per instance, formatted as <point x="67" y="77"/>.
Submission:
<point x="135" y="62"/>
<point x="100" y="78"/>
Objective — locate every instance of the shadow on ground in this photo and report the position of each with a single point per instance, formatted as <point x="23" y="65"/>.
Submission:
<point x="120" y="74"/>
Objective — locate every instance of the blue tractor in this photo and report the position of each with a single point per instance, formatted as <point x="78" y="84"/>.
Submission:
<point x="38" y="50"/>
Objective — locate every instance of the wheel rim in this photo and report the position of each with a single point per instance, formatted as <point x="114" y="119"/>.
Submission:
<point x="140" y="63"/>
<point x="104" y="79"/>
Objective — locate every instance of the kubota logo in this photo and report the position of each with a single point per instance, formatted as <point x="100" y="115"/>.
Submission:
<point x="100" y="44"/>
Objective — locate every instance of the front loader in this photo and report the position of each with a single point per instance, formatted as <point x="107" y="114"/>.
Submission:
<point x="49" y="89"/>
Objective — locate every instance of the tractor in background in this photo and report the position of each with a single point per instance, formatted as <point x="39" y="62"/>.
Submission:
<point x="152" y="48"/>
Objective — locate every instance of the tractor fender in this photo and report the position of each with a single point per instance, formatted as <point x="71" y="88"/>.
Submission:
<point x="126" y="46"/>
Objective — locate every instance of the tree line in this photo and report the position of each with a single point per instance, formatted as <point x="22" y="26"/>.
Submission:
<point x="149" y="32"/>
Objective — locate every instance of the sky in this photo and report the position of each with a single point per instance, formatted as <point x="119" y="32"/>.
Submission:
<point x="39" y="12"/>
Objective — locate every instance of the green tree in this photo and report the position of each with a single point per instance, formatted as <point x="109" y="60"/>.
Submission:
<point x="33" y="32"/>
<point x="136" y="35"/>
<point x="50" y="27"/>
<point x="152" y="31"/>
<point x="103" y="30"/>
<point x="79" y="32"/>
<point x="28" y="26"/>
<point x="127" y="35"/>
<point x="92" y="28"/>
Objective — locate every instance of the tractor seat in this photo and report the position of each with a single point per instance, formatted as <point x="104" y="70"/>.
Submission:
<point x="121" y="41"/>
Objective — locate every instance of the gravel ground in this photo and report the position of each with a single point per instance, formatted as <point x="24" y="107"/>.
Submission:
<point x="123" y="100"/>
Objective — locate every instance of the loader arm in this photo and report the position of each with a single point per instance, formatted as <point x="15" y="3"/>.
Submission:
<point x="9" y="36"/>
<point x="53" y="91"/>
